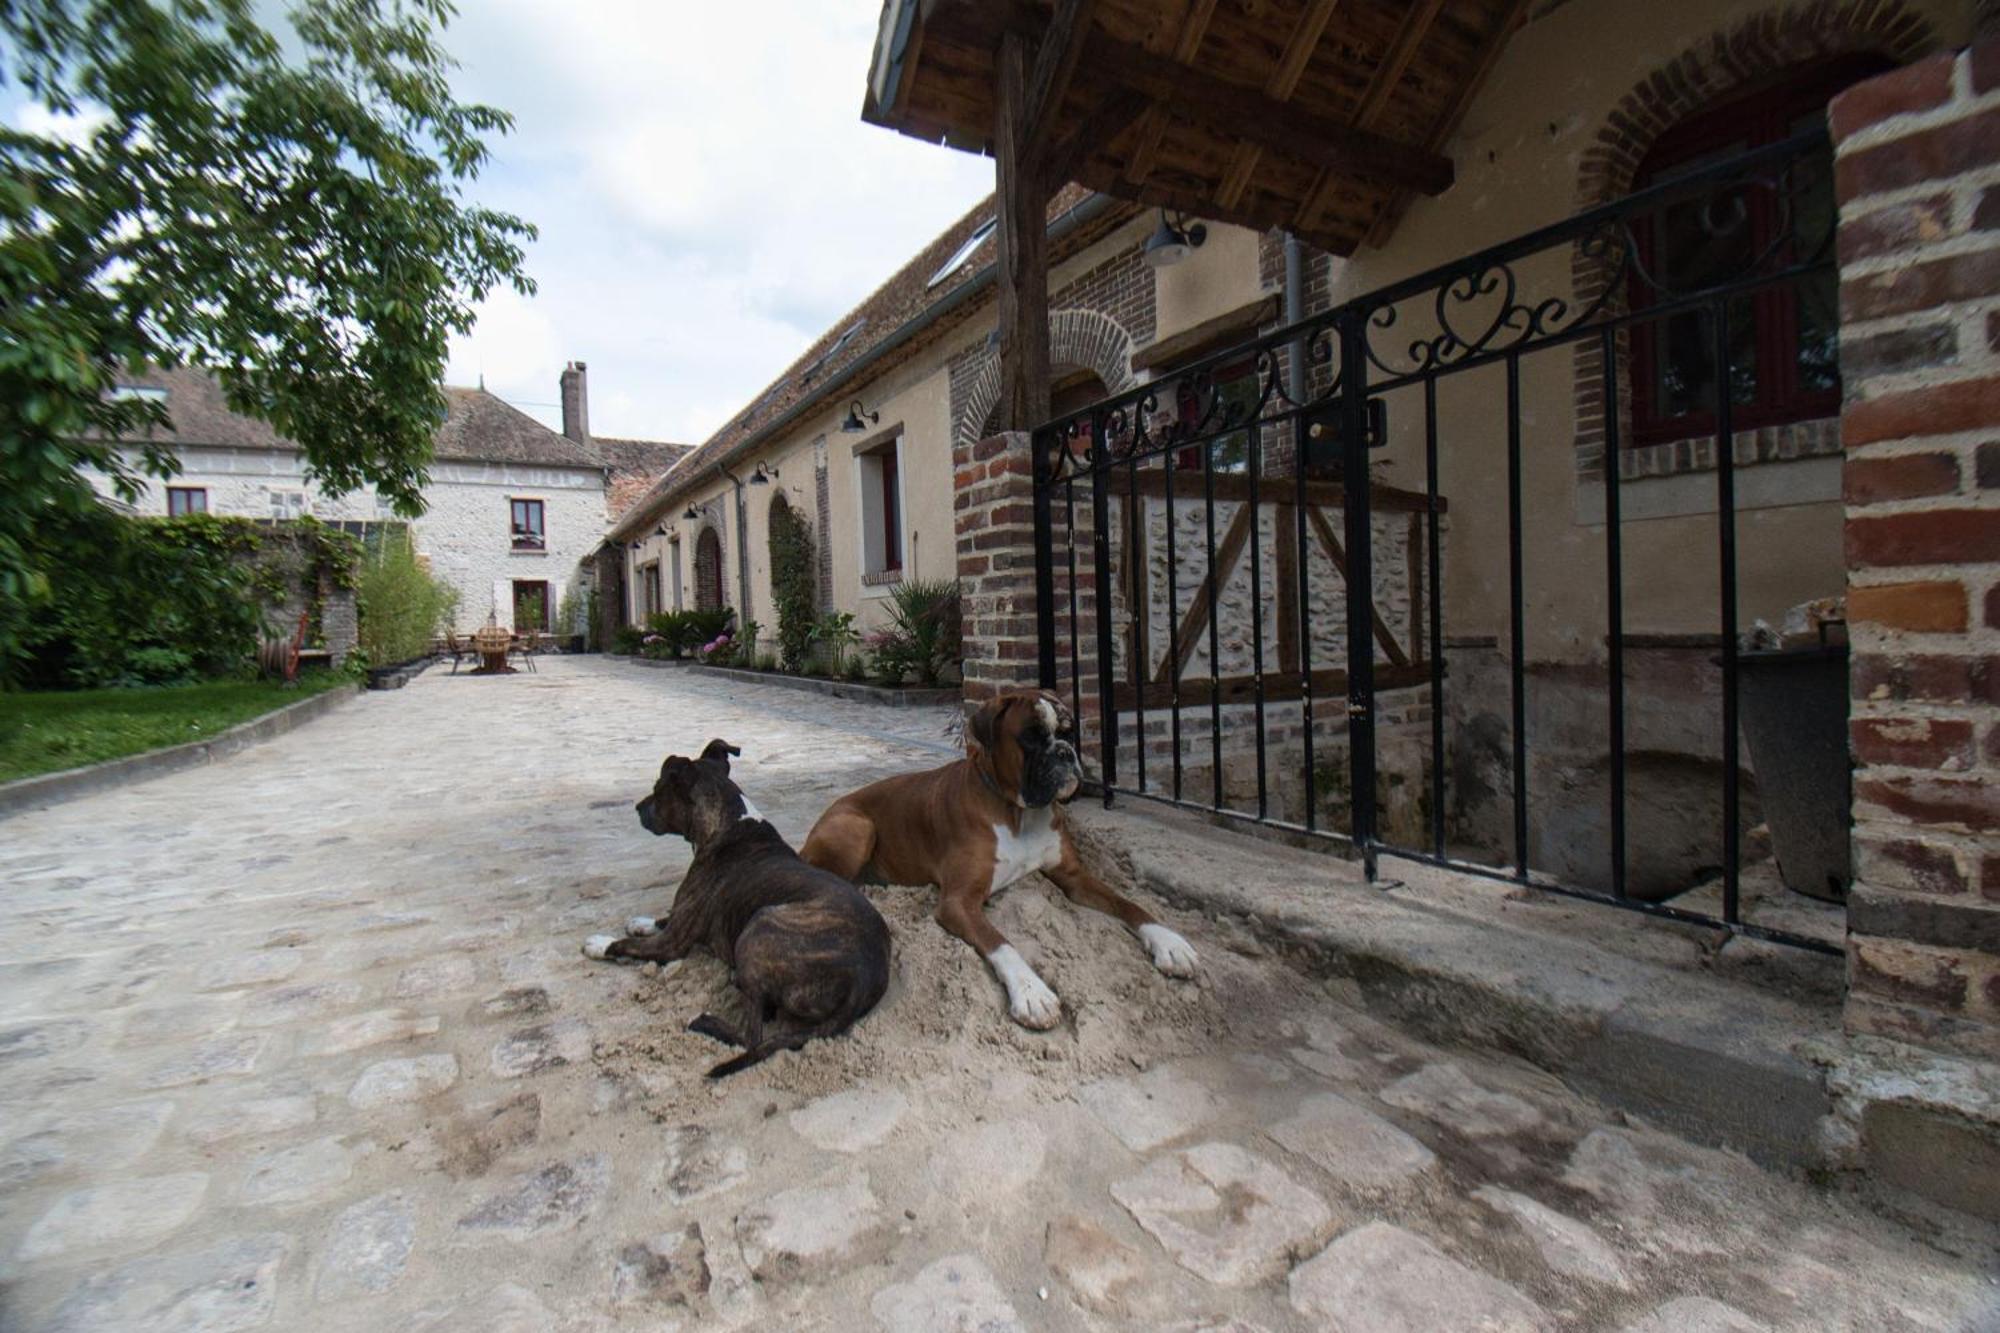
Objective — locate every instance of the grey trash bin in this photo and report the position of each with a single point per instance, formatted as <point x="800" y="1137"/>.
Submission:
<point x="1793" y="706"/>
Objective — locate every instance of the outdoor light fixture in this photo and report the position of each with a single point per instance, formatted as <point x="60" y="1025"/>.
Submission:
<point x="857" y="420"/>
<point x="692" y="514"/>
<point x="660" y="531"/>
<point x="762" y="478"/>
<point x="1172" y="240"/>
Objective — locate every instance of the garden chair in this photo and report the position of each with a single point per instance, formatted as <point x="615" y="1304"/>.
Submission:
<point x="459" y="649"/>
<point x="523" y="647"/>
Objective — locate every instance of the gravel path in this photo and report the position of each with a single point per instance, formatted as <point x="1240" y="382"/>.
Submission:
<point x="303" y="1040"/>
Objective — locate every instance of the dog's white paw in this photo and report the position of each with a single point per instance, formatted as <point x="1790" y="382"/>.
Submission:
<point x="1173" y="955"/>
<point x="1029" y="1000"/>
<point x="640" y="925"/>
<point x="599" y="946"/>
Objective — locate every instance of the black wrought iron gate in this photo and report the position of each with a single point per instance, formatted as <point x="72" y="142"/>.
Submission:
<point x="1228" y="645"/>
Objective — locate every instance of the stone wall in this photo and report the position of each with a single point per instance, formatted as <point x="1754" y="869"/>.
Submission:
<point x="464" y="531"/>
<point x="1917" y="153"/>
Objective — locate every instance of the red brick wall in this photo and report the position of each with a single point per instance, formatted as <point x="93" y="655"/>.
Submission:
<point x="1920" y="357"/>
<point x="993" y="501"/>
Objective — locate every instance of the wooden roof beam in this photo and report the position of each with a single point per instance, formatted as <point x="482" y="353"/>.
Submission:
<point x="1055" y="66"/>
<point x="1394" y="207"/>
<point x="1402" y="50"/>
<point x="1097" y="130"/>
<point x="1283" y="83"/>
<point x="1254" y="117"/>
<point x="1186" y="46"/>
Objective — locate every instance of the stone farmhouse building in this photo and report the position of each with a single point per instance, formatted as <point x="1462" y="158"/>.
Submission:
<point x="512" y="513"/>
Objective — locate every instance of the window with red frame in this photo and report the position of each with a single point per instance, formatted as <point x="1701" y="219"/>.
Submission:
<point x="529" y="534"/>
<point x="892" y="517"/>
<point x="1235" y="397"/>
<point x="182" y="500"/>
<point x="1784" y="349"/>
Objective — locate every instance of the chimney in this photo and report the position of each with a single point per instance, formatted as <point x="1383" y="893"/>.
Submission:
<point x="576" y="403"/>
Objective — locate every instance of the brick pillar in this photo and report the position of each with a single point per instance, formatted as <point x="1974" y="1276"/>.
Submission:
<point x="993" y="503"/>
<point x="1920" y="355"/>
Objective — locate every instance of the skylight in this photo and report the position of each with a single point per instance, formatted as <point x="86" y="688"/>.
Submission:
<point x="963" y="253"/>
<point x="148" y="392"/>
<point x="819" y="362"/>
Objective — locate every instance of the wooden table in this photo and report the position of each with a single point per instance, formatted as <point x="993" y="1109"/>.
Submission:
<point x="492" y="643"/>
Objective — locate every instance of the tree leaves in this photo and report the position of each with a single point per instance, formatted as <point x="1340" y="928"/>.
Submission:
<point x="283" y="208"/>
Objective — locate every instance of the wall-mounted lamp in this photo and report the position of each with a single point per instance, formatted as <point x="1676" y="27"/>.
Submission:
<point x="857" y="420"/>
<point x="660" y="531"/>
<point x="1173" y="240"/>
<point x="762" y="478"/>
<point x="993" y="339"/>
<point x="692" y="514"/>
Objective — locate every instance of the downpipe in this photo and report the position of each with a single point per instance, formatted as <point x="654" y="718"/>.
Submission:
<point x="742" y="549"/>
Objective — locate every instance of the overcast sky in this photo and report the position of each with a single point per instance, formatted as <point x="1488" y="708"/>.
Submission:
<point x="708" y="197"/>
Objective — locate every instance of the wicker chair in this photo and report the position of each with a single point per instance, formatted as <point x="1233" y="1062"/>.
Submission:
<point x="459" y="649"/>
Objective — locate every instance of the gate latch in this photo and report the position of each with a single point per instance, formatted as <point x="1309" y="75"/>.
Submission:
<point x="1325" y="428"/>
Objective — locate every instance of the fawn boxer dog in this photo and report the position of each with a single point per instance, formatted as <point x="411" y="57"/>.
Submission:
<point x="979" y="824"/>
<point x="806" y="947"/>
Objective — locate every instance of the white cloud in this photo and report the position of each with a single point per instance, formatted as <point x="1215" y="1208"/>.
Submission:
<point x="709" y="198"/>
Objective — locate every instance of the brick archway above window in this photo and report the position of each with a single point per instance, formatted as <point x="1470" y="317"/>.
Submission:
<point x="1087" y="339"/>
<point x="1712" y="71"/>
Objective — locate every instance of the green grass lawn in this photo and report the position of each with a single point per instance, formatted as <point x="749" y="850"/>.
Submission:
<point x="43" y="732"/>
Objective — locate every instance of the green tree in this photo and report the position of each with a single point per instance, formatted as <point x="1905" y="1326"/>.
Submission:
<point x="283" y="207"/>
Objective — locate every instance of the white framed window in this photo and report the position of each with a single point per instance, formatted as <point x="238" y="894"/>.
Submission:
<point x="879" y="476"/>
<point x="287" y="504"/>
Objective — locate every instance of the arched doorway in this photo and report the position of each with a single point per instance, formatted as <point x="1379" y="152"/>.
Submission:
<point x="1071" y="389"/>
<point x="708" y="571"/>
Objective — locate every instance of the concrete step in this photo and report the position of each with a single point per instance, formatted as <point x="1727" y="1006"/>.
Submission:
<point x="1724" y="1041"/>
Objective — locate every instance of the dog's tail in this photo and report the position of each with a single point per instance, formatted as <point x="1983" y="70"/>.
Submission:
<point x="867" y="989"/>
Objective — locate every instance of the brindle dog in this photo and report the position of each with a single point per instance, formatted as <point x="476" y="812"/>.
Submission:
<point x="810" y="953"/>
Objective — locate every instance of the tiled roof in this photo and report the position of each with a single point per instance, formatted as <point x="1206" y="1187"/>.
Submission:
<point x="634" y="465"/>
<point x="478" y="427"/>
<point x="651" y="457"/>
<point x="482" y="429"/>
<point x="904" y="298"/>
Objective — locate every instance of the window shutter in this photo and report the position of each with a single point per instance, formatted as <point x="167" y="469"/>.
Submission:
<point x="503" y="603"/>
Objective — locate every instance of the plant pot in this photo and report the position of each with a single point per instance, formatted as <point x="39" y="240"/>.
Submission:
<point x="1793" y="704"/>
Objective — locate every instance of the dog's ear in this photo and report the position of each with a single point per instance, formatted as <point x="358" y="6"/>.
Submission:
<point x="718" y="751"/>
<point x="984" y="728"/>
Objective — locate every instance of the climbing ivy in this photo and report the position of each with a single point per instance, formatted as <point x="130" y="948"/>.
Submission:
<point x="141" y="601"/>
<point x="794" y="583"/>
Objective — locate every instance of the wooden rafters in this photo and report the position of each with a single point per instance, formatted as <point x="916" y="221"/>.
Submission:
<point x="1447" y="125"/>
<point x="1249" y="114"/>
<point x="1186" y="46"/>
<point x="1408" y="40"/>
<point x="1094" y="133"/>
<point x="1054" y="68"/>
<point x="1283" y="83"/>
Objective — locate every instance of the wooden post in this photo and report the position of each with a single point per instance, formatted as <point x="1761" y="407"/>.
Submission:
<point x="1023" y="286"/>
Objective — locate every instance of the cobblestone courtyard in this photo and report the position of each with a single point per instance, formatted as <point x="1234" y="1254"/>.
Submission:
<point x="304" y="1040"/>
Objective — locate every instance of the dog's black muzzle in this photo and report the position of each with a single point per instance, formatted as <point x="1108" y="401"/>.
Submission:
<point x="1054" y="774"/>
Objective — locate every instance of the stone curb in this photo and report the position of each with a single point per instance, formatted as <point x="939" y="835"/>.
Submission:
<point x="839" y="689"/>
<point x="54" y="788"/>
<point x="1712" y="1061"/>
